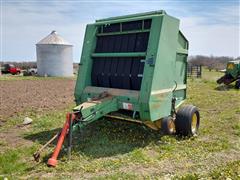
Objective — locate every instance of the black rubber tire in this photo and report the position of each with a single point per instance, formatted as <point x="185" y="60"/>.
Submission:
<point x="165" y="126"/>
<point x="184" y="120"/>
<point x="237" y="84"/>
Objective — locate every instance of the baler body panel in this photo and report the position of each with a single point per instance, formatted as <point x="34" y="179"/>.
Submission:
<point x="233" y="68"/>
<point x="137" y="59"/>
<point x="232" y="73"/>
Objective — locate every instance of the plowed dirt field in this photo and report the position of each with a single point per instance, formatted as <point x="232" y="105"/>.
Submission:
<point x="36" y="95"/>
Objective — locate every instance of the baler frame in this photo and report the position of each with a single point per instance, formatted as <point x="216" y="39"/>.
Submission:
<point x="145" y="76"/>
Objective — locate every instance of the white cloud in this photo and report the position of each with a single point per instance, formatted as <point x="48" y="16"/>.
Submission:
<point x="24" y="26"/>
<point x="211" y="40"/>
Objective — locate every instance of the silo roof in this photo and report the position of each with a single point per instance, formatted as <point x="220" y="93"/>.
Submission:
<point x="54" y="38"/>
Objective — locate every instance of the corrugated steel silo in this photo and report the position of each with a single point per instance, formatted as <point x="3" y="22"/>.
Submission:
<point x="54" y="56"/>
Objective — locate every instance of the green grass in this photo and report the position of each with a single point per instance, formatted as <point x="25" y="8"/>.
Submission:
<point x="211" y="75"/>
<point x="117" y="176"/>
<point x="42" y="121"/>
<point x="229" y="170"/>
<point x="110" y="149"/>
<point x="15" y="161"/>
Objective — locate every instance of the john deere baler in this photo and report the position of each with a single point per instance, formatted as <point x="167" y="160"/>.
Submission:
<point x="232" y="74"/>
<point x="133" y="68"/>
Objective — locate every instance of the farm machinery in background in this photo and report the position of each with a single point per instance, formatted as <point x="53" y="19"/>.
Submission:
<point x="10" y="69"/>
<point x="30" y="72"/>
<point x="232" y="74"/>
<point x="132" y="68"/>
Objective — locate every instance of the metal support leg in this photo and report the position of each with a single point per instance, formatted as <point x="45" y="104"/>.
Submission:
<point x="69" y="138"/>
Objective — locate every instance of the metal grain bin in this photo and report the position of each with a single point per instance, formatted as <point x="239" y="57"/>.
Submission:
<point x="54" y="56"/>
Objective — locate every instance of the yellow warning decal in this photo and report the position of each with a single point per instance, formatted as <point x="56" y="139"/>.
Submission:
<point x="230" y="66"/>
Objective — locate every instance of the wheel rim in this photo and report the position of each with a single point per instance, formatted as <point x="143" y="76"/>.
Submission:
<point x="194" y="123"/>
<point x="171" y="126"/>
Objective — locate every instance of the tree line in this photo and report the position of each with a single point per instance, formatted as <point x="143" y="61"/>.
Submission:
<point x="211" y="62"/>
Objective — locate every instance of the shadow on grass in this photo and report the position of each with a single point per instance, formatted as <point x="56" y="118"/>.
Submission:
<point x="225" y="87"/>
<point x="104" y="138"/>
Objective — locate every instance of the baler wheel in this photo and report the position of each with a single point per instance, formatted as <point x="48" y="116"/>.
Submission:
<point x="187" y="121"/>
<point x="168" y="126"/>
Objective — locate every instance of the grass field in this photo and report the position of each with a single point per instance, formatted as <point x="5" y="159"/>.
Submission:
<point x="118" y="150"/>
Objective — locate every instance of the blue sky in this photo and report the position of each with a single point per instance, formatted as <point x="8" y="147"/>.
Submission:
<point x="211" y="26"/>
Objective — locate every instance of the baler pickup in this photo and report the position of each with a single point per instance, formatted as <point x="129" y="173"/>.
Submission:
<point x="133" y="68"/>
